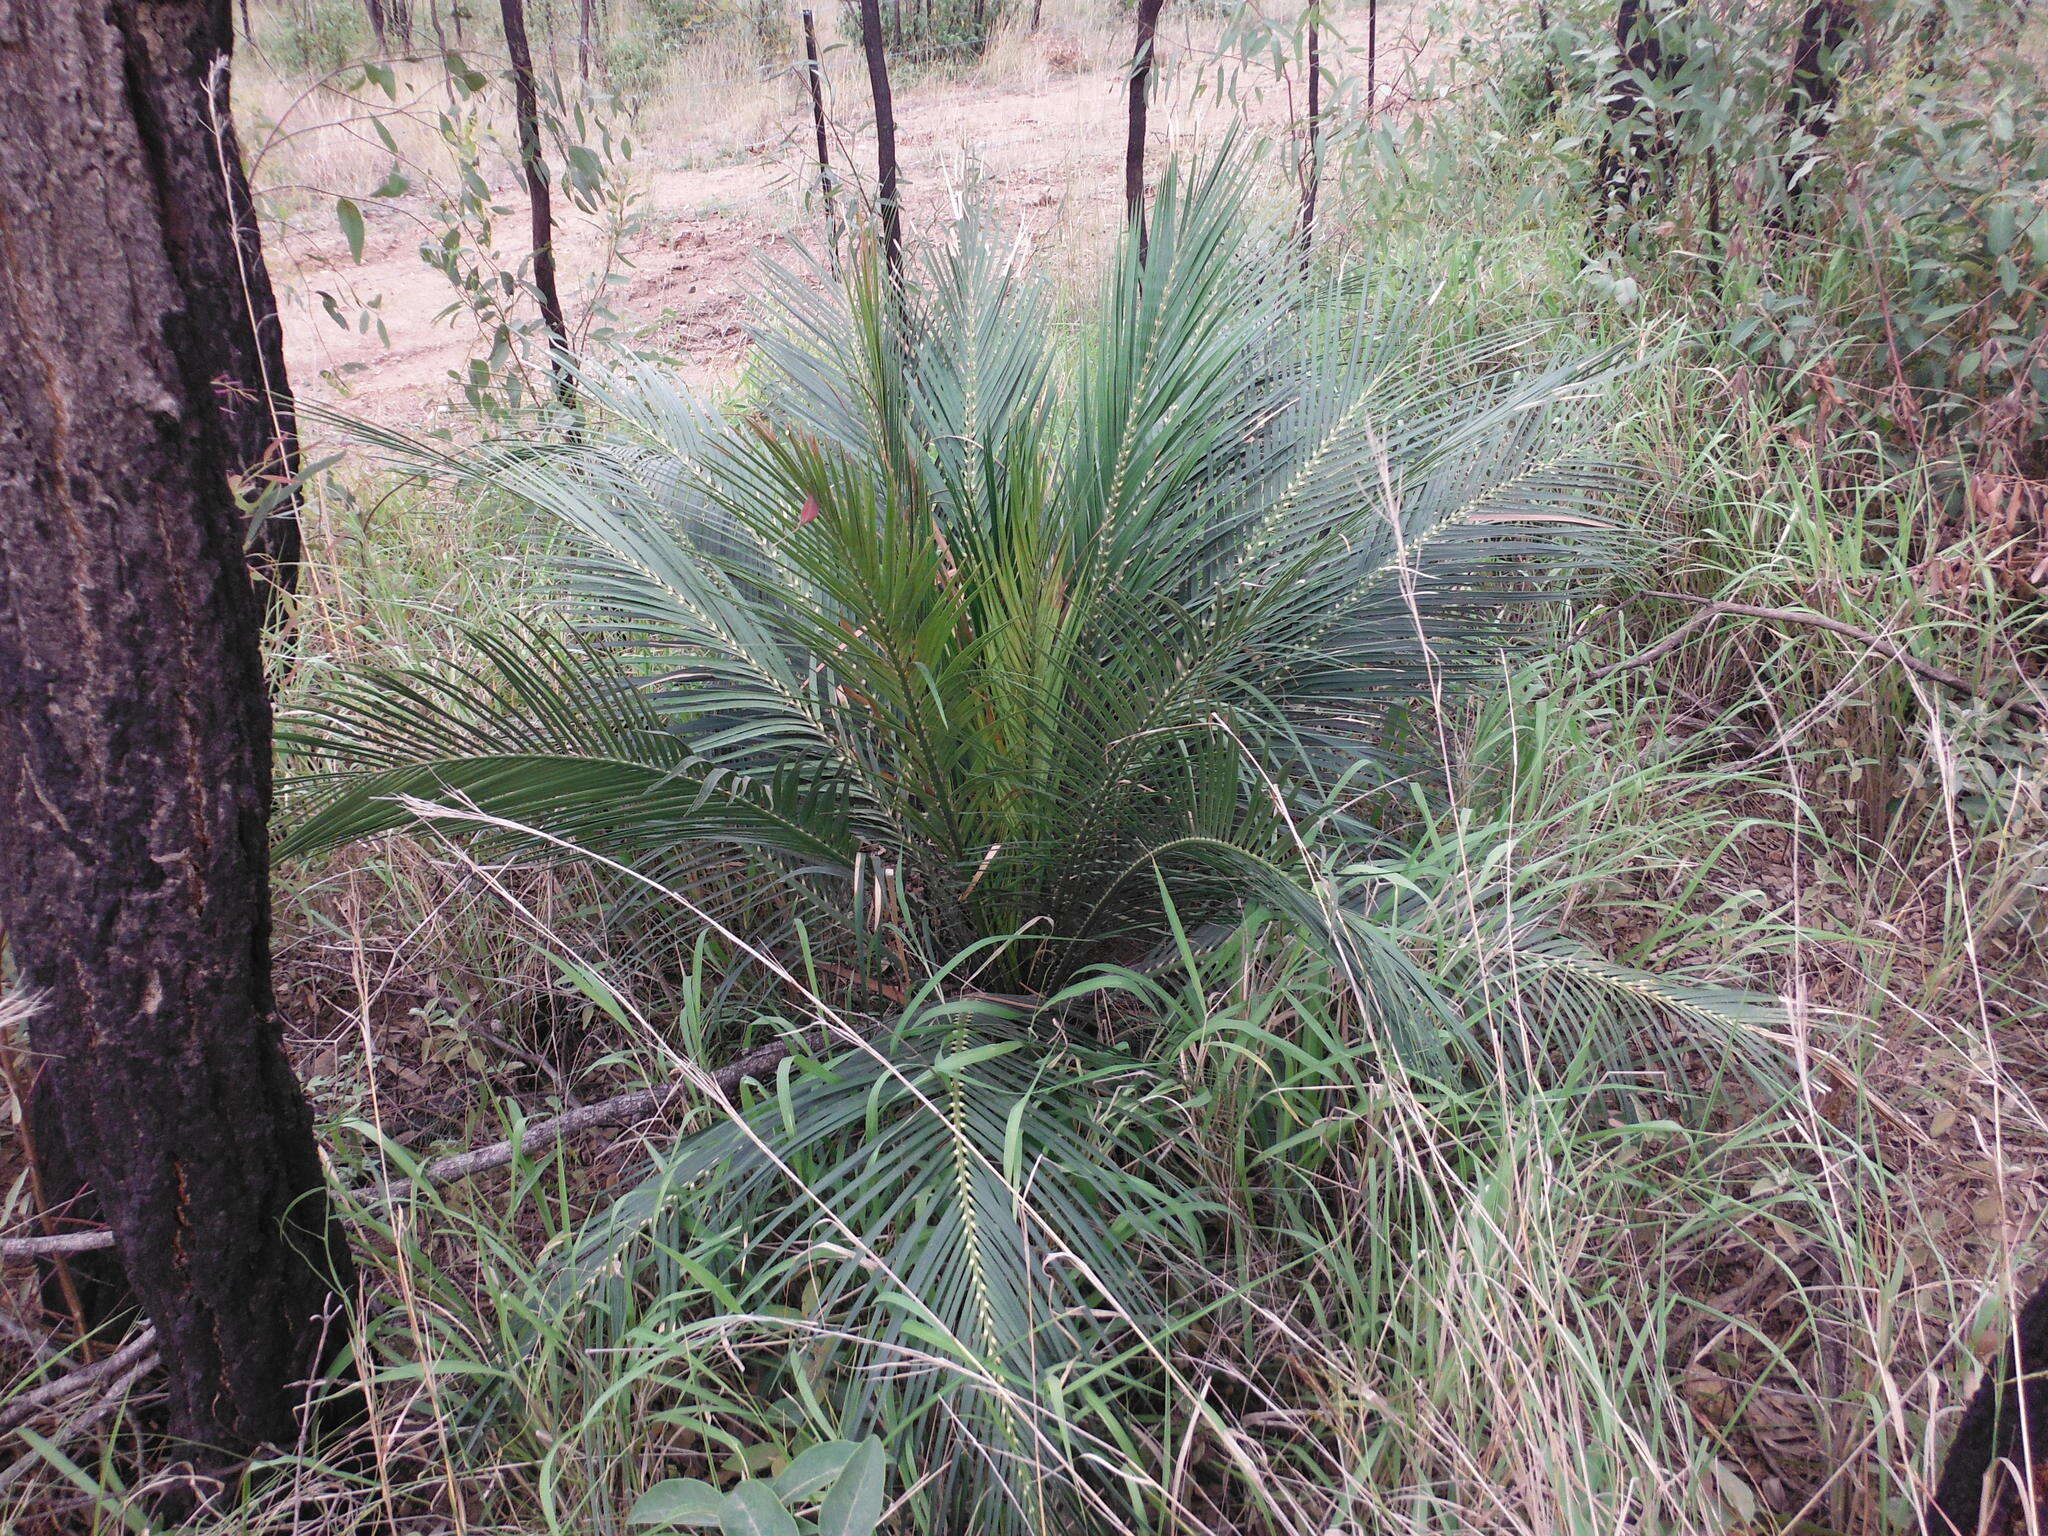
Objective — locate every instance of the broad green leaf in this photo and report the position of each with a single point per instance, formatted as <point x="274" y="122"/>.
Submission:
<point x="679" y="1501"/>
<point x="351" y="218"/>
<point x="753" y="1510"/>
<point x="812" y="1471"/>
<point x="854" y="1506"/>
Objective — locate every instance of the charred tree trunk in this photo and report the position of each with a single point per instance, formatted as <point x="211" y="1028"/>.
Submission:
<point x="1812" y="88"/>
<point x="135" y="731"/>
<point x="177" y="57"/>
<point x="1990" y="1484"/>
<point x="526" y="109"/>
<point x="1134" y="139"/>
<point x="586" y="26"/>
<point x="887" y="195"/>
<point x="1372" y="59"/>
<point x="1633" y="142"/>
<point x="380" y="27"/>
<point x="1312" y="170"/>
<point x="815" y="73"/>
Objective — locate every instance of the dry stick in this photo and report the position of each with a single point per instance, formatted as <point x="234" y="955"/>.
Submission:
<point x="526" y="109"/>
<point x="24" y="1405"/>
<point x="1709" y="610"/>
<point x="885" y="139"/>
<point x="637" y="1105"/>
<point x="818" y="122"/>
<point x="1134" y="141"/>
<point x="113" y="1398"/>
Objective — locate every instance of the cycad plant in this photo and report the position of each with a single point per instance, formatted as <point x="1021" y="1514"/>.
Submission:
<point x="989" y="647"/>
<point x="974" y="624"/>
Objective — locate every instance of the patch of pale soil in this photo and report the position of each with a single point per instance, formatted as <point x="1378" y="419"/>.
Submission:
<point x="1048" y="156"/>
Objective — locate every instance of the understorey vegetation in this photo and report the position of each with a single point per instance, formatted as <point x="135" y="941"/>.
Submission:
<point x="1380" y="870"/>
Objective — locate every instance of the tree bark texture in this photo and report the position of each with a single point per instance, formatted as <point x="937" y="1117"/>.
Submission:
<point x="1134" y="137"/>
<point x="134" y="725"/>
<point x="887" y="194"/>
<point x="176" y="60"/>
<point x="1995" y="1480"/>
<point x="526" y="109"/>
<point x="1635" y="142"/>
<point x="815" y="74"/>
<point x="1312" y="167"/>
<point x="1812" y="87"/>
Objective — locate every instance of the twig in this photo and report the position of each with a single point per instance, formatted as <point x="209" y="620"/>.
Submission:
<point x="1709" y="609"/>
<point x="114" y="1397"/>
<point x="637" y="1105"/>
<point x="24" y="1405"/>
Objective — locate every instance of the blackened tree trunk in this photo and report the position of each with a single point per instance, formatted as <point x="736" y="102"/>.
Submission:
<point x="1312" y="167"/>
<point x="1987" y="1486"/>
<point x="1134" y="136"/>
<point x="1634" y="142"/>
<point x="815" y="73"/>
<point x="380" y="28"/>
<point x="526" y="109"/>
<point x="586" y="29"/>
<point x="177" y="57"/>
<point x="1372" y="59"/>
<point x="135" y="730"/>
<point x="887" y="195"/>
<point x="1813" y="86"/>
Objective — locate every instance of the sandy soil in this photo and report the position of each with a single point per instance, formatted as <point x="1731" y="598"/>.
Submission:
<point x="1049" y="152"/>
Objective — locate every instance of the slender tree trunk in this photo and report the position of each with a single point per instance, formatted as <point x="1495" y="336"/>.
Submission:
<point x="248" y="31"/>
<point x="1312" y="170"/>
<point x="886" y="192"/>
<point x="585" y="21"/>
<point x="178" y="56"/>
<point x="135" y="730"/>
<point x="816" y="75"/>
<point x="1811" y="90"/>
<point x="1372" y="59"/>
<point x="379" y="26"/>
<point x="1134" y="138"/>
<point x="526" y="109"/>
<point x="2001" y="1442"/>
<point x="1037" y="13"/>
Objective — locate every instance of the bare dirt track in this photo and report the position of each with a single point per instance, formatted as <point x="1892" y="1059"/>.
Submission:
<point x="1048" y="154"/>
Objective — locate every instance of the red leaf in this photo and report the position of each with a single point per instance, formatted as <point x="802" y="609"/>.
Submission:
<point x="810" y="511"/>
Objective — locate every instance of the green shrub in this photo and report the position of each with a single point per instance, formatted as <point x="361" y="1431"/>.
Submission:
<point x="934" y="31"/>
<point x="318" y="37"/>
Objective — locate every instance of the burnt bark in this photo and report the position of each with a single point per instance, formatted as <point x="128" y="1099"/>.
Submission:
<point x="1312" y="166"/>
<point x="815" y="74"/>
<point x="887" y="194"/>
<point x="135" y="729"/>
<point x="1637" y="143"/>
<point x="1134" y="135"/>
<point x="526" y="111"/>
<point x="176" y="59"/>
<point x="1372" y="59"/>
<point x="1812" y="87"/>
<point x="1990" y="1484"/>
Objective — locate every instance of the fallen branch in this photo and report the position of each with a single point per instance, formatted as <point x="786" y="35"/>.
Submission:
<point x="113" y="1398"/>
<point x="637" y="1105"/>
<point x="1709" y="609"/>
<point x="24" y="1405"/>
